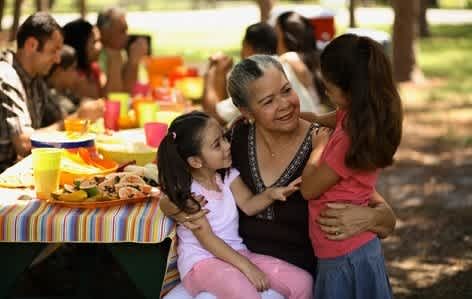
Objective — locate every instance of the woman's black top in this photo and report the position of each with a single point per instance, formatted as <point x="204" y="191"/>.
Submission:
<point x="282" y="229"/>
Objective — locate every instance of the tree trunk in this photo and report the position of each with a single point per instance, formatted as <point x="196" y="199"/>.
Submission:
<point x="423" y="21"/>
<point x="42" y="5"/>
<point x="82" y="8"/>
<point x="405" y="28"/>
<point x="2" y="10"/>
<point x="265" y="8"/>
<point x="352" y="15"/>
<point x="16" y="19"/>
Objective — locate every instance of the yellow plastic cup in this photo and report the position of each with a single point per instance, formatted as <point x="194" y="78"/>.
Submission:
<point x="147" y="112"/>
<point x="167" y="116"/>
<point x="46" y="171"/>
<point x="123" y="98"/>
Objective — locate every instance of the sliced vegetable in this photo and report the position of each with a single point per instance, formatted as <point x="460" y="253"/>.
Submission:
<point x="70" y="188"/>
<point x="76" y="196"/>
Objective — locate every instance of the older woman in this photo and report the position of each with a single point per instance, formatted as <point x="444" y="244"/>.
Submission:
<point x="271" y="149"/>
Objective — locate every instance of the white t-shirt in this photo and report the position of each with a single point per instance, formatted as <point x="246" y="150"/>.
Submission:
<point x="223" y="219"/>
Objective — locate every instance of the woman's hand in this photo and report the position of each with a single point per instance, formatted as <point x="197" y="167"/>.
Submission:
<point x="222" y="63"/>
<point x="256" y="277"/>
<point x="340" y="221"/>
<point x="281" y="193"/>
<point x="187" y="220"/>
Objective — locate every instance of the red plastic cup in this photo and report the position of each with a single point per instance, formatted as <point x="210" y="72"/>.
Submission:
<point x="155" y="132"/>
<point x="141" y="89"/>
<point x="112" y="115"/>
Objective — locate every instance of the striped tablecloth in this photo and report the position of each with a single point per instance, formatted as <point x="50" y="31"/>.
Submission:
<point x="36" y="221"/>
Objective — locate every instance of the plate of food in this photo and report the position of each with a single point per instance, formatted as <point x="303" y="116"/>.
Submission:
<point x="104" y="191"/>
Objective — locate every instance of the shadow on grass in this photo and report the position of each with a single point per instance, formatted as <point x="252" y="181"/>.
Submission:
<point x="458" y="286"/>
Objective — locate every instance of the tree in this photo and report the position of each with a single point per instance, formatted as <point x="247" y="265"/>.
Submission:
<point x="423" y="22"/>
<point x="352" y="16"/>
<point x="405" y="28"/>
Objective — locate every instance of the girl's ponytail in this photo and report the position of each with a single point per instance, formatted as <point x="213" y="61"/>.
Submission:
<point x="183" y="140"/>
<point x="359" y="66"/>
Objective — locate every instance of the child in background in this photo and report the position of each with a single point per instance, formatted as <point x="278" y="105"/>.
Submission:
<point x="194" y="159"/>
<point x="367" y="131"/>
<point x="62" y="79"/>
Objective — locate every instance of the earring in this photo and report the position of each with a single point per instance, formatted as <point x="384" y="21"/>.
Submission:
<point x="251" y="121"/>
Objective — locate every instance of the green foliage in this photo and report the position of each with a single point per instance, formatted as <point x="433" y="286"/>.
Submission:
<point x="447" y="55"/>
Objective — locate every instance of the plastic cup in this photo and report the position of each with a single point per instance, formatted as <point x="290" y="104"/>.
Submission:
<point x="112" y="114"/>
<point x="167" y="116"/>
<point x="141" y="89"/>
<point x="147" y="112"/>
<point x="123" y="98"/>
<point x="76" y="125"/>
<point x="46" y="171"/>
<point x="155" y="132"/>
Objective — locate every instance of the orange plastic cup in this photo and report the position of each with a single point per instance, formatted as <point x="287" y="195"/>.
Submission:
<point x="76" y="125"/>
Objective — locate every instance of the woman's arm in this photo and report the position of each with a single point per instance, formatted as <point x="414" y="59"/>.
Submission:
<point x="252" y="204"/>
<point x="341" y="221"/>
<point x="171" y="210"/>
<point x="221" y="250"/>
<point x="384" y="218"/>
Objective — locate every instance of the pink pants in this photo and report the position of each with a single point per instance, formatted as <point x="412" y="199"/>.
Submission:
<point x="226" y="281"/>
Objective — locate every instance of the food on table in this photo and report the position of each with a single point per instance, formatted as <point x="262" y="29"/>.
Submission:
<point x="148" y="172"/>
<point x="103" y="188"/>
<point x="126" y="145"/>
<point x="17" y="180"/>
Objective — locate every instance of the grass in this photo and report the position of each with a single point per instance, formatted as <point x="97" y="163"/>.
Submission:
<point x="446" y="55"/>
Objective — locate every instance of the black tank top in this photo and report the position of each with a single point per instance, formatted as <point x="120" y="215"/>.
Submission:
<point x="282" y="229"/>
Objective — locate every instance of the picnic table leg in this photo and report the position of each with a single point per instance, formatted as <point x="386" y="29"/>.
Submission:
<point x="16" y="257"/>
<point x="144" y="263"/>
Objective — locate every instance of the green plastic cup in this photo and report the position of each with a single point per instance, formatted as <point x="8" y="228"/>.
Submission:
<point x="147" y="112"/>
<point x="123" y="98"/>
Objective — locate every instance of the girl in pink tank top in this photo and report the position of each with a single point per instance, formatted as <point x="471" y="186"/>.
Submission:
<point x="367" y="131"/>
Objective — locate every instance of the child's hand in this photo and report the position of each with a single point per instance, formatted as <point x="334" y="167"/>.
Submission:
<point x="281" y="193"/>
<point x="320" y="137"/>
<point x="256" y="277"/>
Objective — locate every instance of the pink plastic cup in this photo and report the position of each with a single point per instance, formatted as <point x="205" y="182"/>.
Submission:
<point x="112" y="114"/>
<point x="155" y="132"/>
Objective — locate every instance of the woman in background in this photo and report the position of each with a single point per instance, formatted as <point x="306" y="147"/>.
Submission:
<point x="85" y="39"/>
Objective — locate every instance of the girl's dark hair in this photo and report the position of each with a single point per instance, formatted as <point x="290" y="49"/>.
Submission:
<point x="360" y="68"/>
<point x="183" y="140"/>
<point x="262" y="38"/>
<point x="76" y="35"/>
<point x="245" y="72"/>
<point x="298" y="36"/>
<point x="68" y="57"/>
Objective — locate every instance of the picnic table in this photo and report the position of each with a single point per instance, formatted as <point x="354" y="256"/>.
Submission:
<point x="138" y="235"/>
